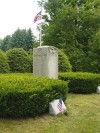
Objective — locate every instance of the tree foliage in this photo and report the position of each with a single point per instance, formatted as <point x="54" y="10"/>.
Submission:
<point x="71" y="26"/>
<point x="22" y="39"/>
<point x="6" y="43"/>
<point x="52" y="6"/>
<point x="93" y="61"/>
<point x="19" y="39"/>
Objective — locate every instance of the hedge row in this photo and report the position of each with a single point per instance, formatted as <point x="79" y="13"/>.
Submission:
<point x="81" y="82"/>
<point x="15" y="60"/>
<point x="18" y="60"/>
<point x="63" y="62"/>
<point x="27" y="95"/>
<point x="4" y="66"/>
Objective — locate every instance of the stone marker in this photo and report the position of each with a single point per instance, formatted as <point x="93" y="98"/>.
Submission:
<point x="98" y="89"/>
<point x="45" y="61"/>
<point x="53" y="107"/>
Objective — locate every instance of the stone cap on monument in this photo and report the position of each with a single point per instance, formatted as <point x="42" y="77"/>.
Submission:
<point x="44" y="50"/>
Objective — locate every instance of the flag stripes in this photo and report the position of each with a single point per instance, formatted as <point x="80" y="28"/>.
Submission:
<point x="59" y="106"/>
<point x="38" y="17"/>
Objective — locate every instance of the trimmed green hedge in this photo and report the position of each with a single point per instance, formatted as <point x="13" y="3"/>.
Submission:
<point x="19" y="60"/>
<point x="4" y="66"/>
<point x="81" y="82"/>
<point x="63" y="62"/>
<point x="27" y="95"/>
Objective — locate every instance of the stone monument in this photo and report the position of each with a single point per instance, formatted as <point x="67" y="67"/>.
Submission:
<point x="45" y="61"/>
<point x="98" y="89"/>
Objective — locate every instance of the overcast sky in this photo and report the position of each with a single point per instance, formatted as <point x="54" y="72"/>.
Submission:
<point x="16" y="14"/>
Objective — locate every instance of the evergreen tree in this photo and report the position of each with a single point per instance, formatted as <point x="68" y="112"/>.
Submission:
<point x="6" y="43"/>
<point x="22" y="39"/>
<point x="29" y="39"/>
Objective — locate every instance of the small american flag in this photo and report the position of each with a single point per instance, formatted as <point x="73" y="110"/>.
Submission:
<point x="37" y="17"/>
<point x="59" y="106"/>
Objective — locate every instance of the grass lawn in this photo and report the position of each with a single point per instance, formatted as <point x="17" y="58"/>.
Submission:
<point x="83" y="117"/>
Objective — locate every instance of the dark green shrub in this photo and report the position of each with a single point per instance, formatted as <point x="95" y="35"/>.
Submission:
<point x="27" y="95"/>
<point x="81" y="82"/>
<point x="4" y="66"/>
<point x="30" y="55"/>
<point x="19" y="60"/>
<point x="63" y="62"/>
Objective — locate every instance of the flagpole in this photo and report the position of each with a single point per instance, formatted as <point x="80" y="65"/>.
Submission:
<point x="41" y="26"/>
<point x="40" y="34"/>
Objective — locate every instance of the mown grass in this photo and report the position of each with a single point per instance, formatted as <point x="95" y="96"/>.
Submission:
<point x="83" y="117"/>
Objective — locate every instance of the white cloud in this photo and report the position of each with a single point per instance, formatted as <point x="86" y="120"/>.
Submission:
<point x="17" y="13"/>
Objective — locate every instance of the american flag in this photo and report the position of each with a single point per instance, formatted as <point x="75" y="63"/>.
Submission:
<point x="59" y="106"/>
<point x="38" y="17"/>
